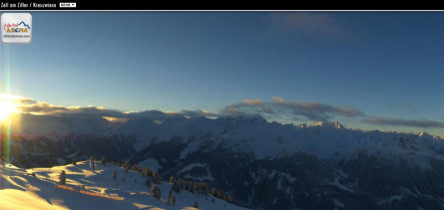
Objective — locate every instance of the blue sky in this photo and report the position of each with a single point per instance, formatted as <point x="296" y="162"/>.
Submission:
<point x="386" y="65"/>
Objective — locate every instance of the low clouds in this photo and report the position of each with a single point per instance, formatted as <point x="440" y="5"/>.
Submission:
<point x="17" y="99"/>
<point x="42" y="108"/>
<point x="30" y="106"/>
<point x="198" y="113"/>
<point x="279" y="107"/>
<point x="405" y="105"/>
<point x="22" y="100"/>
<point x="403" y="122"/>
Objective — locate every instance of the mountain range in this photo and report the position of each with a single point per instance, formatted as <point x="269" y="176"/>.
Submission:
<point x="261" y="164"/>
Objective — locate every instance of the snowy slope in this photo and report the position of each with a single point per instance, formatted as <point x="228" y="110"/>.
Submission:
<point x="318" y="166"/>
<point x="21" y="191"/>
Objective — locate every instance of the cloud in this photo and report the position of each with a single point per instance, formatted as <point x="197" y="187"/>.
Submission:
<point x="310" y="24"/>
<point x="280" y="107"/>
<point x="198" y="113"/>
<point x="404" y="122"/>
<point x="41" y="108"/>
<point x="404" y="104"/>
<point x="277" y="108"/>
<point x="44" y="108"/>
<point x="17" y="99"/>
<point x="23" y="100"/>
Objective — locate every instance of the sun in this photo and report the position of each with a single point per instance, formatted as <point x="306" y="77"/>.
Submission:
<point x="7" y="107"/>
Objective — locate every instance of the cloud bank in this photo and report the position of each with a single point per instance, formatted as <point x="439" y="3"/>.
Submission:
<point x="277" y="108"/>
<point x="404" y="122"/>
<point x="281" y="108"/>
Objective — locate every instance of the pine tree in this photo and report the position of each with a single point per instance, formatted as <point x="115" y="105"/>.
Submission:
<point x="125" y="165"/>
<point x="74" y="161"/>
<point x="91" y="163"/>
<point x="196" y="187"/>
<point x="230" y="199"/>
<point x="213" y="192"/>
<point x="103" y="161"/>
<point x="203" y="187"/>
<point x="155" y="191"/>
<point x="220" y="194"/>
<point x="156" y="178"/>
<point x="62" y="177"/>
<point x="180" y="182"/>
<point x="173" y="199"/>
<point x="115" y="174"/>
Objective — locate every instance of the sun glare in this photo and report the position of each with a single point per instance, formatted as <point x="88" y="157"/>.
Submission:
<point x="7" y="107"/>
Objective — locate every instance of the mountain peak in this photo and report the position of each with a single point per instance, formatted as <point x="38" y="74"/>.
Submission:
<point x="425" y="134"/>
<point x="335" y="124"/>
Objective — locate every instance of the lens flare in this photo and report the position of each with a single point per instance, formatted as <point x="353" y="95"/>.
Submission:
<point x="7" y="107"/>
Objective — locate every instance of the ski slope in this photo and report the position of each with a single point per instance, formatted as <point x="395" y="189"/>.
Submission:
<point x="20" y="190"/>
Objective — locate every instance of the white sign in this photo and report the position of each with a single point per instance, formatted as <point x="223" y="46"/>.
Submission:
<point x="16" y="28"/>
<point x="67" y="4"/>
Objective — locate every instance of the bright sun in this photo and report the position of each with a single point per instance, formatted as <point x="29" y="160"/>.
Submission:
<point x="7" y="107"/>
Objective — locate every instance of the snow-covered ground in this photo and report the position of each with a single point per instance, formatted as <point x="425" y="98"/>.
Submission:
<point x="20" y="190"/>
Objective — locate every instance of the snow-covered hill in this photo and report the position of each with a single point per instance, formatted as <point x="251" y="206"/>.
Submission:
<point x="20" y="190"/>
<point x="263" y="164"/>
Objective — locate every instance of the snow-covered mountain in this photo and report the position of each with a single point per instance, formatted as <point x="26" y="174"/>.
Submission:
<point x="267" y="165"/>
<point x="87" y="189"/>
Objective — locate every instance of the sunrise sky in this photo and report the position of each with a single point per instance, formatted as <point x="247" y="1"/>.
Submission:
<point x="369" y="70"/>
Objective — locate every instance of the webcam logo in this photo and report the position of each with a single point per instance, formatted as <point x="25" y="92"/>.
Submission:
<point x="16" y="27"/>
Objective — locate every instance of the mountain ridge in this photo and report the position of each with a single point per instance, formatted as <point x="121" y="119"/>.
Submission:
<point x="264" y="164"/>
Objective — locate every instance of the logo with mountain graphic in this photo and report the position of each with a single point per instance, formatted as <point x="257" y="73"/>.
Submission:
<point x="16" y="27"/>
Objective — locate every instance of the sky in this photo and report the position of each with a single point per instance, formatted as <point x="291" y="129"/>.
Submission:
<point x="368" y="70"/>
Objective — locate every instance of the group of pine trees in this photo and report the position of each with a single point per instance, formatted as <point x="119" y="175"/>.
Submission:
<point x="221" y="195"/>
<point x="198" y="188"/>
<point x="153" y="177"/>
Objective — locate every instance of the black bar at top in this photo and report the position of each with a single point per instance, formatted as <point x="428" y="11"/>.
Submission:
<point x="207" y="6"/>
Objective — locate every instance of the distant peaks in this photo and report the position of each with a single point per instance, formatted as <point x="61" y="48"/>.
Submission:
<point x="338" y="125"/>
<point x="335" y="124"/>
<point x="425" y="134"/>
